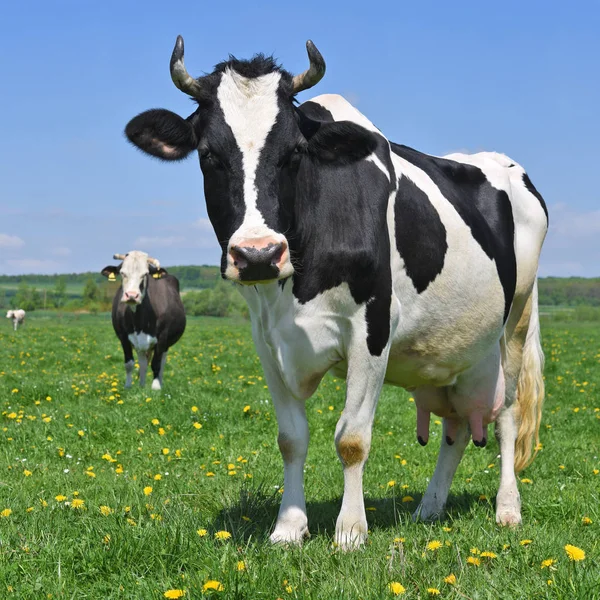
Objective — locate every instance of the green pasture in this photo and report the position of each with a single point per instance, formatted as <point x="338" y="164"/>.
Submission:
<point x="111" y="493"/>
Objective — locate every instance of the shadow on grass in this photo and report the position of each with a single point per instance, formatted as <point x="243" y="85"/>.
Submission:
<point x="254" y="515"/>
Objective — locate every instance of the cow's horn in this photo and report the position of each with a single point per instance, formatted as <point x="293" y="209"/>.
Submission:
<point x="181" y="78"/>
<point x="314" y="73"/>
<point x="119" y="256"/>
<point x="154" y="262"/>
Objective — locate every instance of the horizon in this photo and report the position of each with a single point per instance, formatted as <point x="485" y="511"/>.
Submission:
<point x="457" y="78"/>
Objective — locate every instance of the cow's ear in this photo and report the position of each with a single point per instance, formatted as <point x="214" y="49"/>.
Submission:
<point x="111" y="272"/>
<point x="163" y="134"/>
<point x="342" y="142"/>
<point x="157" y="273"/>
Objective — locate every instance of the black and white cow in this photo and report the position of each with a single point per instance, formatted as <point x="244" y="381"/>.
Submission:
<point x="147" y="313"/>
<point x="371" y="260"/>
<point x="17" y="316"/>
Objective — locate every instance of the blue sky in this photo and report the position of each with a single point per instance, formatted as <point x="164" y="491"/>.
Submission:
<point x="515" y="77"/>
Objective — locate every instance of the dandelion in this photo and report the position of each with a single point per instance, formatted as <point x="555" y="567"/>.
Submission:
<point x="547" y="563"/>
<point x="106" y="510"/>
<point x="586" y="521"/>
<point x="391" y="483"/>
<point x="27" y="473"/>
<point x="106" y="539"/>
<point x="174" y="594"/>
<point x="246" y="408"/>
<point x="222" y="535"/>
<point x="434" y="545"/>
<point x="157" y="477"/>
<point x="433" y="591"/>
<point x="147" y="490"/>
<point x="213" y="584"/>
<point x="6" y="513"/>
<point x="194" y="409"/>
<point x="525" y="480"/>
<point x="165" y="451"/>
<point x="525" y="542"/>
<point x="241" y="565"/>
<point x="574" y="553"/>
<point x="447" y="529"/>
<point x="155" y="421"/>
<point x="451" y="579"/>
<point x="81" y="433"/>
<point x="201" y="532"/>
<point x="198" y="425"/>
<point x="210" y="474"/>
<point x="407" y="499"/>
<point x="488" y="555"/>
<point x="399" y="540"/>
<point x="396" y="588"/>
<point x="78" y="503"/>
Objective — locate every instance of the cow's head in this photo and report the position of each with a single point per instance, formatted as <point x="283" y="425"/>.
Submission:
<point x="10" y="314"/>
<point x="134" y="271"/>
<point x="246" y="133"/>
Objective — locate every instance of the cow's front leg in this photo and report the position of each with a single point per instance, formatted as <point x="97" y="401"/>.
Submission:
<point x="292" y="522"/>
<point x="158" y="365"/>
<point x="353" y="442"/>
<point x="128" y="358"/>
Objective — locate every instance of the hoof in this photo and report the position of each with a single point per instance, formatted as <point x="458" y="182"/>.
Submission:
<point x="427" y="514"/>
<point x="508" y="518"/>
<point x="421" y="441"/>
<point x="289" y="537"/>
<point x="480" y="443"/>
<point x="449" y="440"/>
<point x="156" y="385"/>
<point x="348" y="541"/>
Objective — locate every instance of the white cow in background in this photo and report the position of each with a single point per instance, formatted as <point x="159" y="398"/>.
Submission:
<point x="17" y="316"/>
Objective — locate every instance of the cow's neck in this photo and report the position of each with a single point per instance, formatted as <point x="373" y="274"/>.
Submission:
<point x="268" y="303"/>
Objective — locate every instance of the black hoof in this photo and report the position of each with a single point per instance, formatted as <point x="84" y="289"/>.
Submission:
<point x="421" y="441"/>
<point x="480" y="444"/>
<point x="449" y="440"/>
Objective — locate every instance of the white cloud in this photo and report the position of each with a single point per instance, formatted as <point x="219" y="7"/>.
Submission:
<point x="32" y="265"/>
<point x="61" y="251"/>
<point x="10" y="241"/>
<point x="568" y="223"/>
<point x="204" y="224"/>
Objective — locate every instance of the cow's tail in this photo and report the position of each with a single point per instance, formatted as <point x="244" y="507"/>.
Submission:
<point x="530" y="391"/>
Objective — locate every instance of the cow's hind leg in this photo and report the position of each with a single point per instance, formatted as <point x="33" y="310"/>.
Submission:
<point x="353" y="441"/>
<point x="518" y="424"/>
<point x="158" y="365"/>
<point x="434" y="500"/>
<point x="144" y="356"/>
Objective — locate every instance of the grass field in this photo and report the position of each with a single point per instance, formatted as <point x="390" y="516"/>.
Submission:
<point x="110" y="493"/>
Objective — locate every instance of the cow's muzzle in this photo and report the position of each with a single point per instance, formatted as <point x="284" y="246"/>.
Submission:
<point x="258" y="261"/>
<point x="131" y="298"/>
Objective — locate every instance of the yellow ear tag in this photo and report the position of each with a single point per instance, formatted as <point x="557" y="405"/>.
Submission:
<point x="156" y="275"/>
<point x="112" y="277"/>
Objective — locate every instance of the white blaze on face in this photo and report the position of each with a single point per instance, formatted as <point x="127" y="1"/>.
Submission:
<point x="133" y="270"/>
<point x="250" y="109"/>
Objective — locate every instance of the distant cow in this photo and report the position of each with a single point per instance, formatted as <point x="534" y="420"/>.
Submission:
<point x="372" y="260"/>
<point x="17" y="316"/>
<point x="147" y="313"/>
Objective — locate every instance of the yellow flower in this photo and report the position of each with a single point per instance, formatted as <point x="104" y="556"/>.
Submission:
<point x="525" y="542"/>
<point x="407" y="499"/>
<point x="399" y="540"/>
<point x="447" y="529"/>
<point x="106" y="539"/>
<point x="548" y="563"/>
<point x="525" y="480"/>
<point x="574" y="553"/>
<point x="157" y="477"/>
<point x="246" y="408"/>
<point x="174" y="594"/>
<point x="210" y="474"/>
<point x="396" y="588"/>
<point x="147" y="490"/>
<point x="471" y="560"/>
<point x="391" y="483"/>
<point x="201" y="532"/>
<point x="77" y="503"/>
<point x="222" y="535"/>
<point x="106" y="510"/>
<point x="27" y="473"/>
<point x="155" y="421"/>
<point x="194" y="409"/>
<point x="81" y="433"/>
<point x="488" y="555"/>
<point x="434" y="545"/>
<point x="586" y="521"/>
<point x="433" y="591"/>
<point x="241" y="565"/>
<point x="451" y="579"/>
<point x="198" y="425"/>
<point x="212" y="584"/>
<point x="6" y="512"/>
<point x="165" y="451"/>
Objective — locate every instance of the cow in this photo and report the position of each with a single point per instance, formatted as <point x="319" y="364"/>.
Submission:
<point x="147" y="313"/>
<point x="370" y="260"/>
<point x="17" y="316"/>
